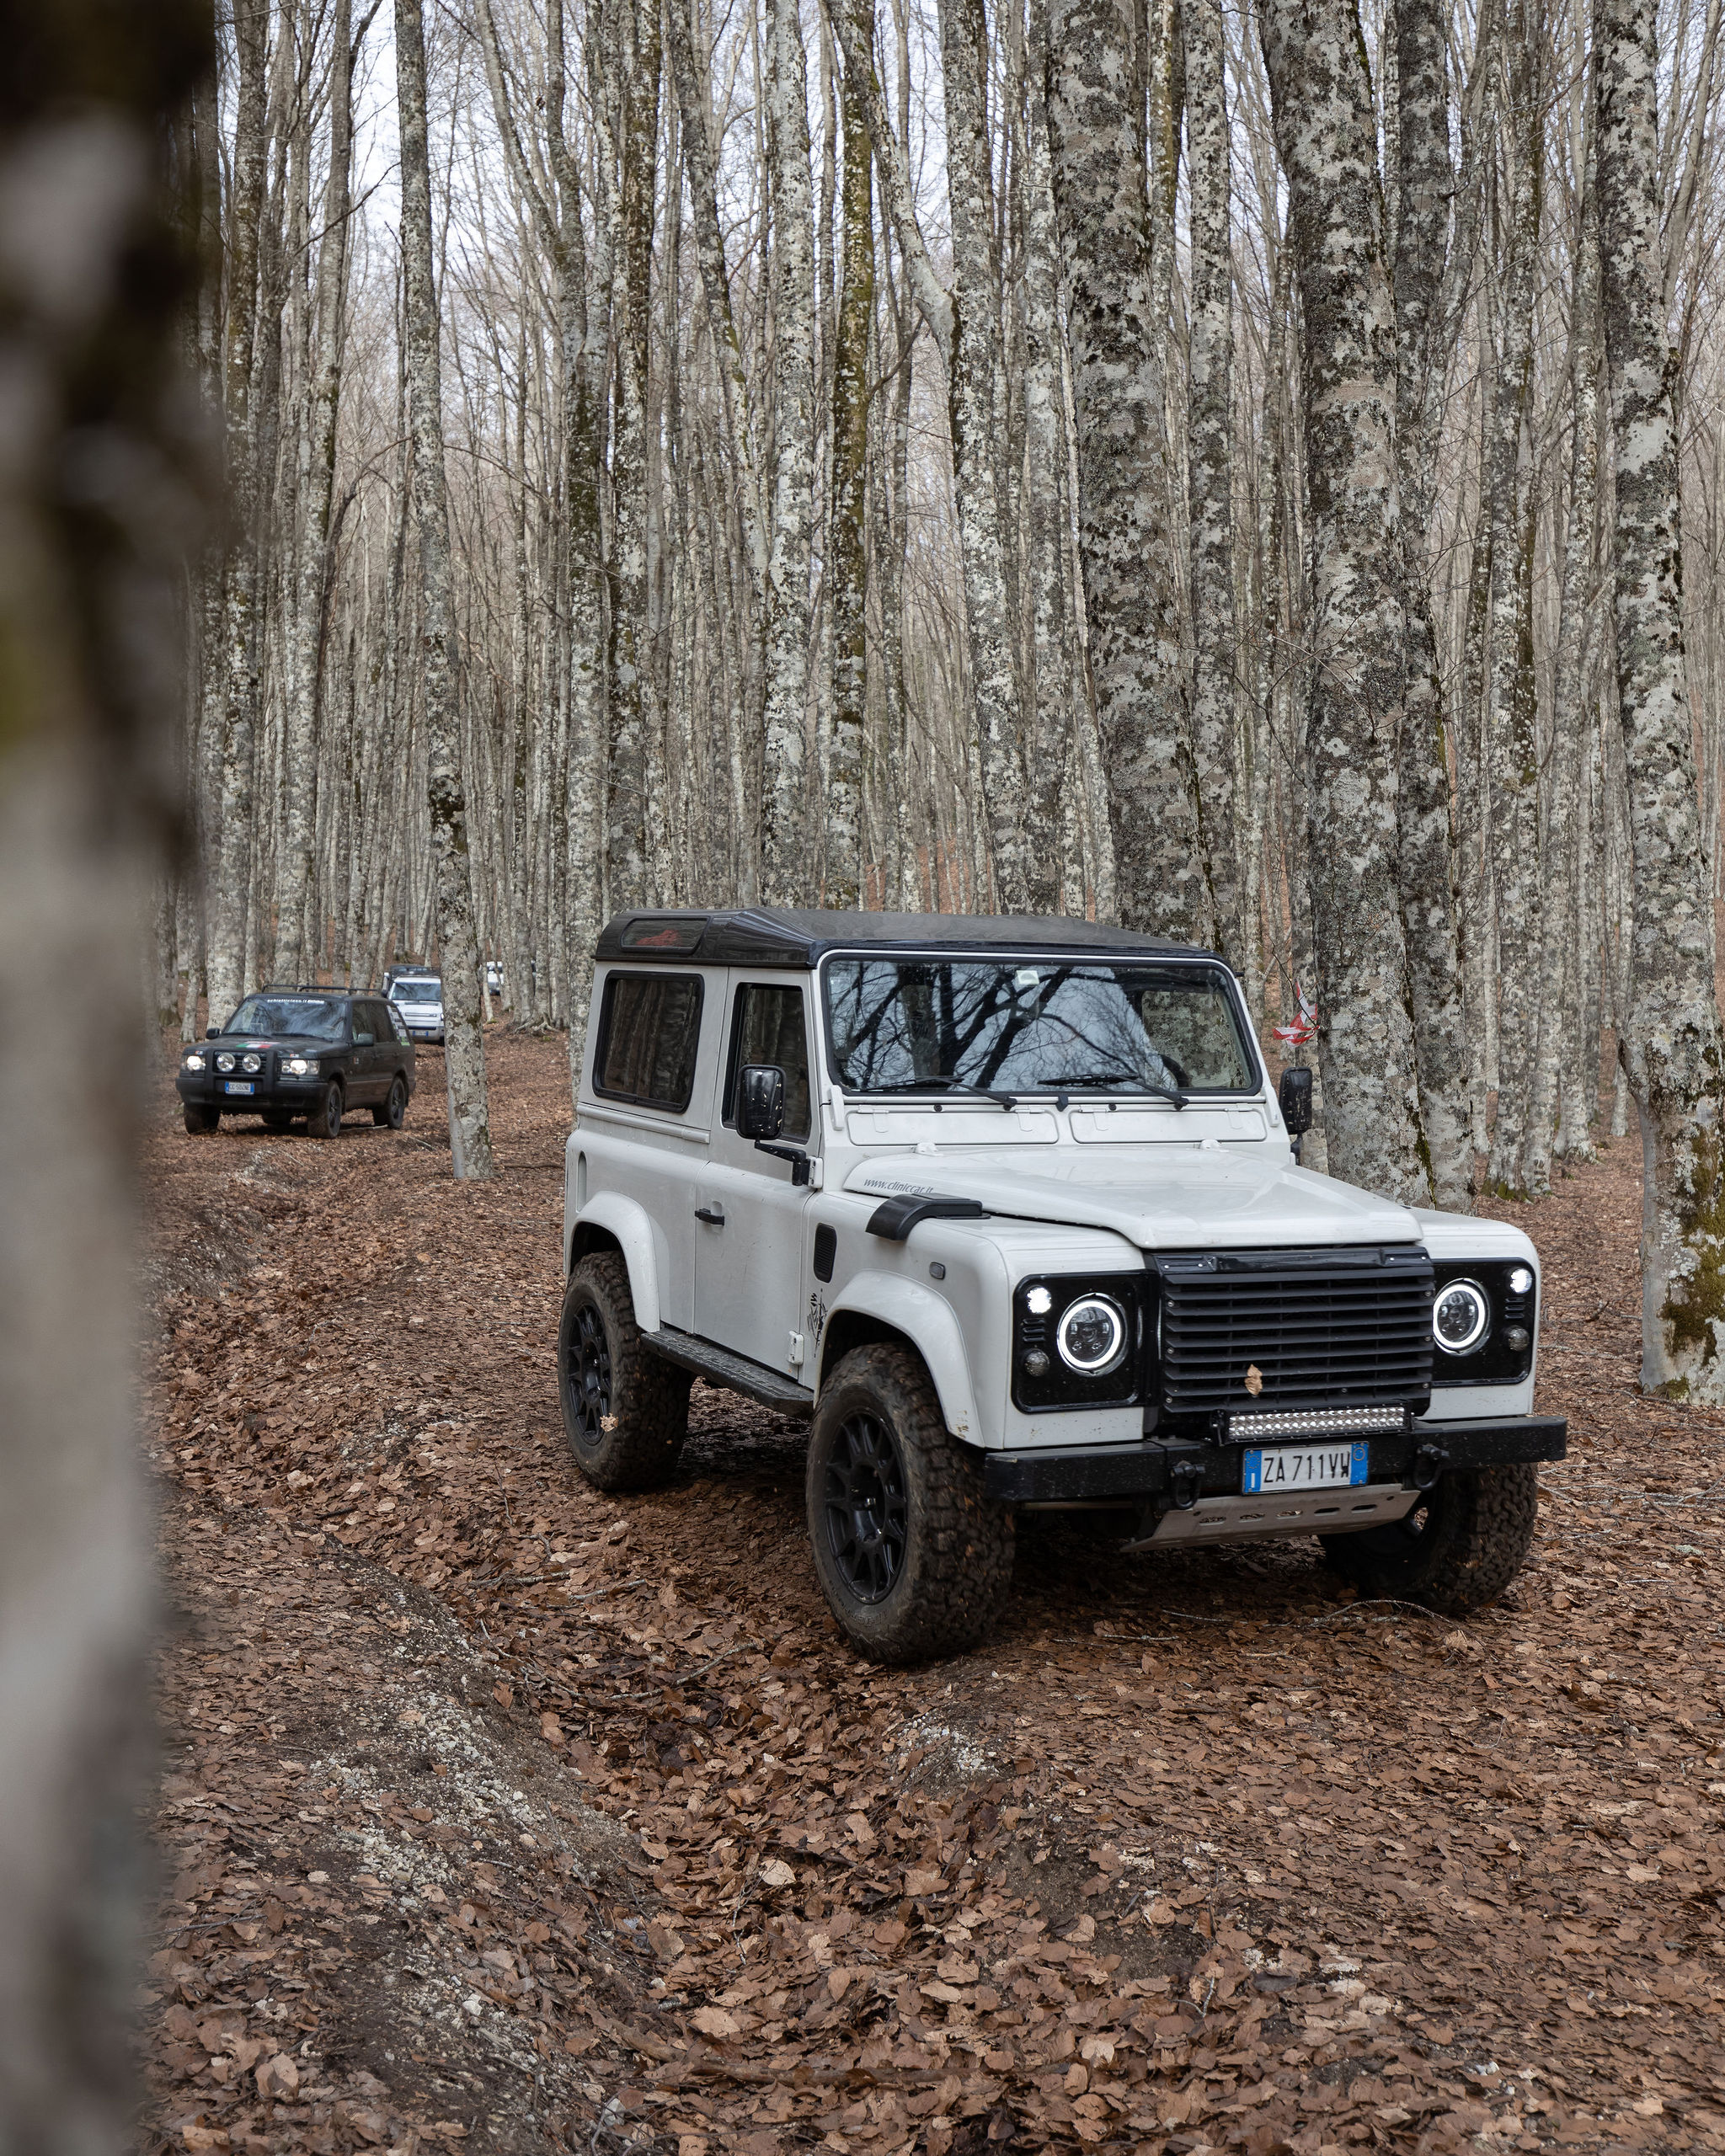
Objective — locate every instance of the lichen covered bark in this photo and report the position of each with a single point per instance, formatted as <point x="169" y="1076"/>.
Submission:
<point x="1209" y="434"/>
<point x="1670" y="1042"/>
<point x="785" y="834"/>
<point x="464" y="1050"/>
<point x="1096" y="130"/>
<point x="1326" y="135"/>
<point x="1425" y="867"/>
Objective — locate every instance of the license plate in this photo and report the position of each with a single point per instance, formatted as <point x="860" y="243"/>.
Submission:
<point x="239" y="1085"/>
<point x="1305" y="1467"/>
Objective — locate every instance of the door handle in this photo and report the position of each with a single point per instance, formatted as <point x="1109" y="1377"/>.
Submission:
<point x="713" y="1215"/>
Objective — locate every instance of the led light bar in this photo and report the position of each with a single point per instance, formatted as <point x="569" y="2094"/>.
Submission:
<point x="1318" y="1422"/>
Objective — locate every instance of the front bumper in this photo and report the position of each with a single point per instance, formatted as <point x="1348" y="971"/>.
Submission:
<point x="1185" y="1473"/>
<point x="271" y="1090"/>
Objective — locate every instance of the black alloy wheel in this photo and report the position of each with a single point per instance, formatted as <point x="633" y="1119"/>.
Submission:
<point x="394" y="1111"/>
<point x="587" y="1377"/>
<point x="323" y="1119"/>
<point x="625" y="1409"/>
<point x="865" y="1507"/>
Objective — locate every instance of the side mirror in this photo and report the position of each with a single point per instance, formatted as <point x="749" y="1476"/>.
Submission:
<point x="760" y="1101"/>
<point x="212" y="1032"/>
<point x="364" y="1040"/>
<point x="1294" y="1098"/>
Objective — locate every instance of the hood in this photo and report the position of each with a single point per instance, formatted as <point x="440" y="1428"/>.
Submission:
<point x="1174" y="1198"/>
<point x="267" y="1044"/>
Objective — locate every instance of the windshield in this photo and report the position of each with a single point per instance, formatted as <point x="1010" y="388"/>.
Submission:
<point x="417" y="991"/>
<point x="1042" y="1026"/>
<point x="320" y="1016"/>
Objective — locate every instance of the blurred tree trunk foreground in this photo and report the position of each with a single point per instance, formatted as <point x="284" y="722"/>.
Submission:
<point x="97" y="438"/>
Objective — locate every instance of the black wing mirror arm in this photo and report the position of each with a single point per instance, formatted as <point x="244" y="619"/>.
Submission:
<point x="798" y="1159"/>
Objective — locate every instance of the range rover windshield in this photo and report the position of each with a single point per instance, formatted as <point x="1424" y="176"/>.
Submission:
<point x="1034" y="1025"/>
<point x="303" y="1017"/>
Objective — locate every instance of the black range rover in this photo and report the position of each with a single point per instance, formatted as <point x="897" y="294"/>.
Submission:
<point x="289" y="1054"/>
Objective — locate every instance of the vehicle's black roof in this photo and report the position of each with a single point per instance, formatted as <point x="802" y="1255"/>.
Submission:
<point x="796" y="936"/>
<point x="309" y="988"/>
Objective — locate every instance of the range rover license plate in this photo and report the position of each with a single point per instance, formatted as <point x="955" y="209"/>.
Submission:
<point x="1305" y="1467"/>
<point x="239" y="1085"/>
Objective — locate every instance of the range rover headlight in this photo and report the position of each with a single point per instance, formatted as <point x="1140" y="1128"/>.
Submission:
<point x="224" y="1062"/>
<point x="299" y="1066"/>
<point x="194" y="1062"/>
<point x="1460" y="1316"/>
<point x="1091" y="1335"/>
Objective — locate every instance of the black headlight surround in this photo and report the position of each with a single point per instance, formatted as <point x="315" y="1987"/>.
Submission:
<point x="1060" y="1389"/>
<point x="1492" y="1361"/>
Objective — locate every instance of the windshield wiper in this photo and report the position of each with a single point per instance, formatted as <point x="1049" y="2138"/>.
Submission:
<point x="944" y="1084"/>
<point x="1109" y="1079"/>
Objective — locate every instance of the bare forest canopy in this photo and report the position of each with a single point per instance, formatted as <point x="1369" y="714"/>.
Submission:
<point x="1215" y="468"/>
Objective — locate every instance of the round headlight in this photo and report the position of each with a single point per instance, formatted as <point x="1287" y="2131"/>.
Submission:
<point x="251" y="1063"/>
<point x="1092" y="1336"/>
<point x="1521" y="1280"/>
<point x="224" y="1062"/>
<point x="1460" y="1316"/>
<point x="194" y="1063"/>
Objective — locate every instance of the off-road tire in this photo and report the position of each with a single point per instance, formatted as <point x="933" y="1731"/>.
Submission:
<point x="1457" y="1550"/>
<point x="199" y="1120"/>
<point x="323" y="1118"/>
<point x="604" y="1374"/>
<point x="952" y="1577"/>
<point x="393" y="1113"/>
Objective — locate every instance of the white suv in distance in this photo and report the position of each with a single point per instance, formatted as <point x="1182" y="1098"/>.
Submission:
<point x="1010" y="1211"/>
<point x="418" y="997"/>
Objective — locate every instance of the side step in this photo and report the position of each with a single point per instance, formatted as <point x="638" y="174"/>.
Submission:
<point x="735" y="1373"/>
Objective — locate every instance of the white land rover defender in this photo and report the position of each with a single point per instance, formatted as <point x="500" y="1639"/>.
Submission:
<point x="1010" y="1212"/>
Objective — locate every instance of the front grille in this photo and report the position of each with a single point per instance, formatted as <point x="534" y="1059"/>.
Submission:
<point x="1321" y="1328"/>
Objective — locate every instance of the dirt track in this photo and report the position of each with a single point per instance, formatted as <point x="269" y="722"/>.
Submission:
<point x="498" y="1815"/>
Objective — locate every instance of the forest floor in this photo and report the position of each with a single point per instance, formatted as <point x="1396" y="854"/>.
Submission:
<point x="499" y="1814"/>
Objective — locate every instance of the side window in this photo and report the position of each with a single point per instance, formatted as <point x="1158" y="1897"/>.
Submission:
<point x="766" y="1027"/>
<point x="649" y="1028"/>
<point x="377" y="1023"/>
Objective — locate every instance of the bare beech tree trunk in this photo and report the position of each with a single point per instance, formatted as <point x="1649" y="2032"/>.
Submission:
<point x="1326" y="133"/>
<point x="787" y="851"/>
<point x="311" y="568"/>
<point x="1565" y="927"/>
<point x="1055" y="778"/>
<point x="464" y="1051"/>
<point x="973" y="404"/>
<point x="1670" y="1045"/>
<point x="848" y="572"/>
<point x="91" y="380"/>
<point x="1096" y="129"/>
<point x="1425" y="865"/>
<point x="225" y="905"/>
<point x="1512" y="710"/>
<point x="1210" y="429"/>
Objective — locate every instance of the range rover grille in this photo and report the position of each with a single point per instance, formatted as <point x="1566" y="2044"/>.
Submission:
<point x="1323" y="1328"/>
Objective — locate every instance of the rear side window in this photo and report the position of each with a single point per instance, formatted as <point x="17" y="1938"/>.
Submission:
<point x="768" y="1028"/>
<point x="649" y="1028"/>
